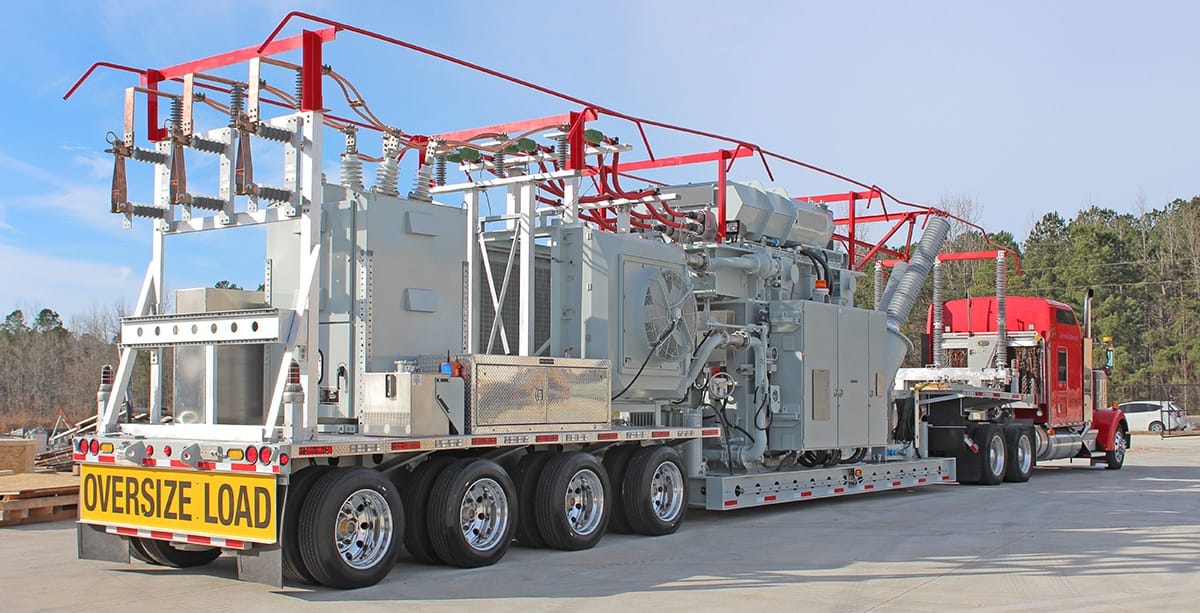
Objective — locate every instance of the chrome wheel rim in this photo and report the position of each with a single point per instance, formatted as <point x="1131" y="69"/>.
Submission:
<point x="996" y="456"/>
<point x="583" y="502"/>
<point x="666" y="491"/>
<point x="1119" y="446"/>
<point x="1024" y="454"/>
<point x="364" y="529"/>
<point x="484" y="514"/>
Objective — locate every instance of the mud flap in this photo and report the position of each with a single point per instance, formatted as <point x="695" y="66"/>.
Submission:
<point x="96" y="544"/>
<point x="261" y="564"/>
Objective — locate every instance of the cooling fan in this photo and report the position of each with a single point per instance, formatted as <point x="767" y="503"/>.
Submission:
<point x="669" y="315"/>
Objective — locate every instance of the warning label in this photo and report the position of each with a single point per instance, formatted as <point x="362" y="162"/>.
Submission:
<point x="208" y="504"/>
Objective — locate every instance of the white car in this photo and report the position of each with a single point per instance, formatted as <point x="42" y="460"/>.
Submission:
<point x="1154" y="415"/>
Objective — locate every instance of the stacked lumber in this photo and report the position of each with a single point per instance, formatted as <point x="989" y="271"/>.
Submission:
<point x="54" y="460"/>
<point x="36" y="497"/>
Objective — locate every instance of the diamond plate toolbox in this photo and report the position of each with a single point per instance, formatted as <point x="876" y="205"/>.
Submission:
<point x="532" y="394"/>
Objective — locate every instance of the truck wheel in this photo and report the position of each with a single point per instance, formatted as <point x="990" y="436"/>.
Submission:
<point x="655" y="491"/>
<point x="297" y="491"/>
<point x="414" y="491"/>
<point x="472" y="513"/>
<point x="992" y="454"/>
<point x="616" y="462"/>
<point x="571" y="507"/>
<point x="137" y="549"/>
<point x="353" y="520"/>
<point x="1115" y="458"/>
<point x="1020" y="454"/>
<point x="525" y="477"/>
<point x="167" y="554"/>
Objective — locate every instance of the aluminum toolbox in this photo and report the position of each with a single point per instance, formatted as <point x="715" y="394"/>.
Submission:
<point x="410" y="404"/>
<point x="533" y="394"/>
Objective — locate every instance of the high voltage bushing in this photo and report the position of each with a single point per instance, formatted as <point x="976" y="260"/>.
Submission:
<point x="207" y="146"/>
<point x="274" y="194"/>
<point x="270" y="132"/>
<point x="237" y="103"/>
<point x="148" y="156"/>
<point x="207" y="203"/>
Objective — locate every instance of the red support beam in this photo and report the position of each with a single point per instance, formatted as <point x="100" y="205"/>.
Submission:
<point x="681" y="160"/>
<point x="970" y="255"/>
<point x="241" y="55"/>
<point x="841" y="196"/>
<point x="516" y="127"/>
<point x="311" y="71"/>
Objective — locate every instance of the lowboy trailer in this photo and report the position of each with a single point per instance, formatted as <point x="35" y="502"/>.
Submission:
<point x="530" y="353"/>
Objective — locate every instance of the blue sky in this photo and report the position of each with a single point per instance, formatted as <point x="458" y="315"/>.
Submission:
<point x="1024" y="107"/>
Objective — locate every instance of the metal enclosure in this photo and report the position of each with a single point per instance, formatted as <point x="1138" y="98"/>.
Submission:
<point x="411" y="404"/>
<point x="221" y="384"/>
<point x="530" y="394"/>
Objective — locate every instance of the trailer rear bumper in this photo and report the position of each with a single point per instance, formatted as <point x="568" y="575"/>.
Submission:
<point x="727" y="492"/>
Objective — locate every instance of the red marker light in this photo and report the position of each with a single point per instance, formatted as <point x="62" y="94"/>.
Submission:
<point x="149" y="449"/>
<point x="83" y="446"/>
<point x="94" y="446"/>
<point x="167" y="450"/>
<point x="284" y="459"/>
<point x="264" y="455"/>
<point x="251" y="454"/>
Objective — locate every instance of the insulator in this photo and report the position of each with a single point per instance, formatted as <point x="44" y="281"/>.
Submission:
<point x="207" y="146"/>
<point x="207" y="203"/>
<point x="274" y="194"/>
<point x="352" y="172"/>
<point x="420" y="188"/>
<point x="272" y="133"/>
<point x="176" y="115"/>
<point x="561" y="151"/>
<point x="878" y="285"/>
<point x="149" y="156"/>
<point x="498" y="163"/>
<point x="387" y="175"/>
<point x="299" y="87"/>
<point x="439" y="169"/>
<point x="148" y="211"/>
<point x="237" y="103"/>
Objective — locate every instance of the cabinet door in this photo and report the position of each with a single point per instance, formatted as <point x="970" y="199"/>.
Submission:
<point x="853" y="377"/>
<point x="820" y="375"/>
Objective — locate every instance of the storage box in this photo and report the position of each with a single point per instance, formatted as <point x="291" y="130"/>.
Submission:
<point x="532" y="394"/>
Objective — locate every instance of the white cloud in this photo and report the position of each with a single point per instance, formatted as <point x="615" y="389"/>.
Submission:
<point x="66" y="285"/>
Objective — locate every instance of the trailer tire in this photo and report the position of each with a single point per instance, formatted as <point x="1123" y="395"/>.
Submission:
<point x="166" y="554"/>
<point x="992" y="454"/>
<point x="525" y="477"/>
<point x="337" y="557"/>
<point x="137" y="549"/>
<point x="1115" y="458"/>
<point x="616" y="462"/>
<point x="297" y="491"/>
<point x="414" y="491"/>
<point x="572" y="505"/>
<point x="482" y="488"/>
<point x="655" y="491"/>
<point x="1020" y="454"/>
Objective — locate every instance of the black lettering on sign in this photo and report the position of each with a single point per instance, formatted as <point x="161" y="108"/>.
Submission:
<point x="209" y="518"/>
<point x="243" y="507"/>
<point x="118" y="493"/>
<point x="103" y="489"/>
<point x="225" y="504"/>
<point x="166" y="512"/>
<point x="262" y="507"/>
<point x="89" y="491"/>
<point x="147" y="497"/>
<point x="131" y="492"/>
<point x="184" y="500"/>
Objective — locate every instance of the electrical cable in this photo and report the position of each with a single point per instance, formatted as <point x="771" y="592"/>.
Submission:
<point x="662" y="338"/>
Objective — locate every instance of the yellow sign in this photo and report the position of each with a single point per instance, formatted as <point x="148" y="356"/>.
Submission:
<point x="207" y="504"/>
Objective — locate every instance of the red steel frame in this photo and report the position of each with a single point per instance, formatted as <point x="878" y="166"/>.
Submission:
<point x="310" y="43"/>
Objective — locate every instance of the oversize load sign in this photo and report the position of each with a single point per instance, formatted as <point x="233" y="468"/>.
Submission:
<point x="209" y="504"/>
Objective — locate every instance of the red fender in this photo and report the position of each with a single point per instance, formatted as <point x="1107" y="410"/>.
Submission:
<point x="1106" y="422"/>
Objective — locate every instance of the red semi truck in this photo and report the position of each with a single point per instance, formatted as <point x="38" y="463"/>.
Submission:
<point x="1010" y="382"/>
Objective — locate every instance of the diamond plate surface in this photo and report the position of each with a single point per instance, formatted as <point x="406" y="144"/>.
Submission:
<point x="526" y="394"/>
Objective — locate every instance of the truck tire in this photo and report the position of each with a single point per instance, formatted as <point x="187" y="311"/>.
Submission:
<point x="1020" y="454"/>
<point x="616" y="462"/>
<point x="353" y="521"/>
<point x="655" y="491"/>
<point x="166" y="554"/>
<point x="1115" y="458"/>
<point x="297" y="491"/>
<point x="992" y="454"/>
<point x="414" y="491"/>
<point x="572" y="506"/>
<point x="482" y="492"/>
<point x="138" y="550"/>
<point x="525" y="477"/>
